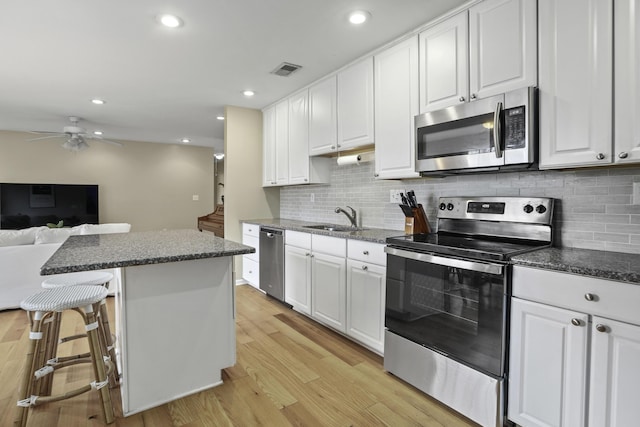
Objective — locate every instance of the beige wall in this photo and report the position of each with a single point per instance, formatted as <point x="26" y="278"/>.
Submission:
<point x="148" y="185"/>
<point x="244" y="196"/>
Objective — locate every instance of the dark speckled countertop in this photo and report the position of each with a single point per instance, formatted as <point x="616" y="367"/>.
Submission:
<point x="605" y="265"/>
<point x="99" y="251"/>
<point x="377" y="235"/>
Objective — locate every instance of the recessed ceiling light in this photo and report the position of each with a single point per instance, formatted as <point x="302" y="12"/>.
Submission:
<point x="248" y="93"/>
<point x="98" y="101"/>
<point x="185" y="140"/>
<point x="219" y="156"/>
<point x="97" y="132"/>
<point x="170" y="21"/>
<point x="358" y="17"/>
<point x="220" y="117"/>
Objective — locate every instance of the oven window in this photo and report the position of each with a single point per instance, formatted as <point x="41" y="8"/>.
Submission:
<point x="454" y="311"/>
<point x="472" y="135"/>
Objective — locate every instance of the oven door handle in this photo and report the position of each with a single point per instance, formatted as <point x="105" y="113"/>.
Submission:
<point x="481" y="267"/>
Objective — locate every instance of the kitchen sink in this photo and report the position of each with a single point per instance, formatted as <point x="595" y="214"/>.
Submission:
<point x="330" y="227"/>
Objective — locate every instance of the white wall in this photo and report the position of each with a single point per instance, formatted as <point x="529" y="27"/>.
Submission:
<point x="148" y="185"/>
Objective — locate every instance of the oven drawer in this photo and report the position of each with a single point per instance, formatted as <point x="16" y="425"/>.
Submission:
<point x="607" y="298"/>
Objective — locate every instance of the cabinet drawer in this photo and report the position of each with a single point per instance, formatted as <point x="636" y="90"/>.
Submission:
<point x="254" y="242"/>
<point x="329" y="245"/>
<point x="367" y="252"/>
<point x="611" y="299"/>
<point x="251" y="230"/>
<point x="296" y="238"/>
<point x="250" y="271"/>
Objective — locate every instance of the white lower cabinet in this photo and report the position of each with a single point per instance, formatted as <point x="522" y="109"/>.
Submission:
<point x="297" y="271"/>
<point x="328" y="290"/>
<point x="251" y="262"/>
<point x="574" y="350"/>
<point x="365" y="303"/>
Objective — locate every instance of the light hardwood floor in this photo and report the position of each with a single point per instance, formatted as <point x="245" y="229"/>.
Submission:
<point x="290" y="371"/>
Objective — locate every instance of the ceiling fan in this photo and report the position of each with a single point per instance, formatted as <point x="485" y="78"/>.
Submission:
<point x="75" y="136"/>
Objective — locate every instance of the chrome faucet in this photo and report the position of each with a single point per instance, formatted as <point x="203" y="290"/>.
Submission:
<point x="352" y="216"/>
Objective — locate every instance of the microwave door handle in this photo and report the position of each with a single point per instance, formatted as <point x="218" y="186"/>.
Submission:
<point x="497" y="131"/>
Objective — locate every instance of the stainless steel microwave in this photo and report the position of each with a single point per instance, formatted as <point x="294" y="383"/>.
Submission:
<point x="490" y="134"/>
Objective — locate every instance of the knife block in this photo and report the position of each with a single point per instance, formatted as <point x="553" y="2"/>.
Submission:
<point x="418" y="223"/>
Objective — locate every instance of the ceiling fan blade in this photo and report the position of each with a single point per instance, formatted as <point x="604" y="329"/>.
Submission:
<point x="47" y="137"/>
<point x="99" y="138"/>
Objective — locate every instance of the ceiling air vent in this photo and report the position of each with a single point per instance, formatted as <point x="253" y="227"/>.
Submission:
<point x="285" y="69"/>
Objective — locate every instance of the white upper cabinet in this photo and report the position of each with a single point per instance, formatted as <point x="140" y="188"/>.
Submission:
<point x="487" y="50"/>
<point x="282" y="142"/>
<point x="299" y="138"/>
<point x="355" y="105"/>
<point x="575" y="66"/>
<point x="627" y="81"/>
<point x="444" y="64"/>
<point x="396" y="104"/>
<point x="502" y="47"/>
<point x="323" y="128"/>
<point x="269" y="147"/>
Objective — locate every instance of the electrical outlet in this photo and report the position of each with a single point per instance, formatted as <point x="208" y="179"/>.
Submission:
<point x="635" y="197"/>
<point x="312" y="198"/>
<point x="394" y="196"/>
<point x="195" y="197"/>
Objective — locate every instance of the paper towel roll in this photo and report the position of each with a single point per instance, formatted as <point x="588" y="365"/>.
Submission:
<point x="349" y="160"/>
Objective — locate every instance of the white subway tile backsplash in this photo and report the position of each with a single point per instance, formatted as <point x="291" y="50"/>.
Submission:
<point x="594" y="207"/>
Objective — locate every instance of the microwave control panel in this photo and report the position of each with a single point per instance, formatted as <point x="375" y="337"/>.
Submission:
<point x="515" y="128"/>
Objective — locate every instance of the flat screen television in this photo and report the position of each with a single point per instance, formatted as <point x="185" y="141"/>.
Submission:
<point x="32" y="205"/>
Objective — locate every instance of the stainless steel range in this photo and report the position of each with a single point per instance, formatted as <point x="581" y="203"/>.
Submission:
<point x="447" y="300"/>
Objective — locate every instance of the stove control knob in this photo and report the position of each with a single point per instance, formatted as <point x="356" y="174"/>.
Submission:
<point x="541" y="209"/>
<point x="528" y="208"/>
<point x="450" y="206"/>
<point x="442" y="206"/>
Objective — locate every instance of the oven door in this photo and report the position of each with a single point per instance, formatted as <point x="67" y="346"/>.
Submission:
<point x="454" y="306"/>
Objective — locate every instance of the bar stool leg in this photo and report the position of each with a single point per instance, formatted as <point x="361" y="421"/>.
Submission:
<point x="114" y="379"/>
<point x="27" y="383"/>
<point x="98" y="363"/>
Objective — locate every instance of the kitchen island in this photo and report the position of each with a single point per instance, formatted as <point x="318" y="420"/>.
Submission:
<point x="175" y="308"/>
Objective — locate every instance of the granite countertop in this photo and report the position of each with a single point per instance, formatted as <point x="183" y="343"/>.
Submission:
<point x="602" y="264"/>
<point x="100" y="251"/>
<point x="377" y="235"/>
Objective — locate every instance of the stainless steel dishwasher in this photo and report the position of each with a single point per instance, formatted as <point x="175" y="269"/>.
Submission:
<point x="272" y="262"/>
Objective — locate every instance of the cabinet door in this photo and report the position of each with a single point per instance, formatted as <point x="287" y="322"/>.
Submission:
<point x="547" y="365"/>
<point x="328" y="290"/>
<point x="323" y="130"/>
<point x="282" y="142"/>
<point x="575" y="66"/>
<point x="269" y="147"/>
<point x="615" y="374"/>
<point x="299" y="138"/>
<point x="502" y="47"/>
<point x="627" y="81"/>
<point x="355" y="105"/>
<point x="444" y="64"/>
<point x="396" y="105"/>
<point x="365" y="303"/>
<point x="297" y="278"/>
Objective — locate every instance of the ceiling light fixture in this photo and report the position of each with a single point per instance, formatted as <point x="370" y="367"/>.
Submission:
<point x="219" y="156"/>
<point x="358" y="17"/>
<point x="185" y="140"/>
<point x="220" y="117"/>
<point x="97" y="132"/>
<point x="170" y="21"/>
<point x="248" y="93"/>
<point x="98" y="101"/>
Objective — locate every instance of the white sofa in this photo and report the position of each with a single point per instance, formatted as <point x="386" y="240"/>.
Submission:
<point x="23" y="252"/>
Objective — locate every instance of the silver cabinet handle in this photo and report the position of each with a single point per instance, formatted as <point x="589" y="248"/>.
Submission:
<point x="473" y="96"/>
<point x="589" y="297"/>
<point x="601" y="328"/>
<point x="365" y="252"/>
<point x="461" y="99"/>
<point x="375" y="175"/>
<point x="600" y="156"/>
<point x="365" y="268"/>
<point x="307" y="254"/>
<point x="623" y="155"/>
<point x="497" y="143"/>
<point x="333" y="147"/>
<point x="250" y="272"/>
<point x="576" y="322"/>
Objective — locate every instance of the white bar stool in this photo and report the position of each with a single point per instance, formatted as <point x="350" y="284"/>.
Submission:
<point x="82" y="278"/>
<point x="42" y="306"/>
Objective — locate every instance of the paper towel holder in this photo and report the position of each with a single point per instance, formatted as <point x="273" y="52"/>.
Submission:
<point x="355" y="159"/>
